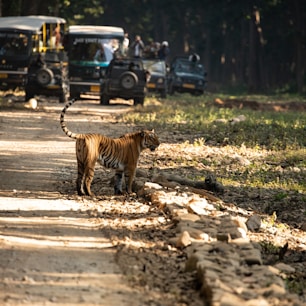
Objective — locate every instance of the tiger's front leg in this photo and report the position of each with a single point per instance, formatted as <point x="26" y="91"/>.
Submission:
<point x="118" y="182"/>
<point x="129" y="178"/>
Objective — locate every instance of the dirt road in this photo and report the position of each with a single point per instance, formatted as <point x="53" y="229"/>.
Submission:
<point x="57" y="248"/>
<point x="53" y="251"/>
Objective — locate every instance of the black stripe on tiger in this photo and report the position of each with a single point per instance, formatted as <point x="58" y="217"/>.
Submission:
<point x="63" y="124"/>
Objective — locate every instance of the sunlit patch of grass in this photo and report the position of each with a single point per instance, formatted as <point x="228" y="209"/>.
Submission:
<point x="260" y="175"/>
<point x="198" y="142"/>
<point x="270" y="130"/>
<point x="278" y="138"/>
<point x="268" y="247"/>
<point x="290" y="158"/>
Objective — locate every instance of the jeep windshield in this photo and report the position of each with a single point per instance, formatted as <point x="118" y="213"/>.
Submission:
<point x="14" y="44"/>
<point x="92" y="50"/>
<point x="155" y="66"/>
<point x="189" y="67"/>
<point x="24" y="40"/>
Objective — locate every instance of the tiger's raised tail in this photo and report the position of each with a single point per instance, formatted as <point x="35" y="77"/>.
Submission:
<point x="63" y="124"/>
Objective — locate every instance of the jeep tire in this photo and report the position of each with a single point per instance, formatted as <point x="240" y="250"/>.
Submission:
<point x="104" y="99"/>
<point x="28" y="95"/>
<point x="63" y="96"/>
<point x="171" y="89"/>
<point x="139" y="101"/>
<point x="128" y="80"/>
<point x="44" y="76"/>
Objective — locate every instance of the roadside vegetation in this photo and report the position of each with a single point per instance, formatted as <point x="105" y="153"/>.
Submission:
<point x="275" y="137"/>
<point x="258" y="155"/>
<point x="264" y="129"/>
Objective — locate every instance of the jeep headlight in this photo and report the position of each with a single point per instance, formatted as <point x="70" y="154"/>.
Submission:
<point x="160" y="80"/>
<point x="23" y="69"/>
<point x="200" y="83"/>
<point x="75" y="79"/>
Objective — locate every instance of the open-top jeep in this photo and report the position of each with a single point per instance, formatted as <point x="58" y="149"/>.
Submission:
<point x="90" y="49"/>
<point x="125" y="78"/>
<point x="187" y="75"/>
<point x="158" y="76"/>
<point x="32" y="56"/>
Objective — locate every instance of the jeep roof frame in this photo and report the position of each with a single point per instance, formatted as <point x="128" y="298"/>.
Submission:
<point x="32" y="23"/>
<point x="96" y="30"/>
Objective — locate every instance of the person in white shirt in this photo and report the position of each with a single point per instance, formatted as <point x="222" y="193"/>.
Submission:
<point x="137" y="47"/>
<point x="126" y="43"/>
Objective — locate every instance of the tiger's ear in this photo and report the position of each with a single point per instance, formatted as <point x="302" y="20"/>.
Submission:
<point x="153" y="131"/>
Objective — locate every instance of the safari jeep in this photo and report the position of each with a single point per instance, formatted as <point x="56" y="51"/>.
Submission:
<point x="90" y="50"/>
<point x="125" y="78"/>
<point x="32" y="56"/>
<point x="187" y="76"/>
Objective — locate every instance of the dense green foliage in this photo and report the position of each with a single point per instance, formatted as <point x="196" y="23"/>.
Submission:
<point x="256" y="45"/>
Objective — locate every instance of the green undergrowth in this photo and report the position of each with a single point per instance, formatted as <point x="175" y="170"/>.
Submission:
<point x="265" y="129"/>
<point x="282" y="135"/>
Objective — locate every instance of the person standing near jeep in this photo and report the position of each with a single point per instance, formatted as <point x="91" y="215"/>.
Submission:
<point x="163" y="51"/>
<point x="99" y="56"/>
<point x="137" y="47"/>
<point x="126" y="42"/>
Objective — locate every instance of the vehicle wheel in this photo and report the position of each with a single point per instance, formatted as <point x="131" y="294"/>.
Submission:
<point x="163" y="94"/>
<point x="74" y="95"/>
<point x="197" y="93"/>
<point x="128" y="80"/>
<point x="28" y="96"/>
<point x="171" y="90"/>
<point x="63" y="97"/>
<point x="44" y="76"/>
<point x="104" y="100"/>
<point x="139" y="101"/>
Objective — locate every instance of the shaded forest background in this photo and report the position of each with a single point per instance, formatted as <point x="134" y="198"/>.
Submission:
<point x="246" y="45"/>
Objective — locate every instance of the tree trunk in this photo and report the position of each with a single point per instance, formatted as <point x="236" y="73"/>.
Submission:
<point x="207" y="53"/>
<point x="256" y="54"/>
<point x="299" y="38"/>
<point x="252" y="78"/>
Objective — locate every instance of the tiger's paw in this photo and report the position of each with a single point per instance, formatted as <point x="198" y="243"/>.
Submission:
<point x="131" y="196"/>
<point x="118" y="191"/>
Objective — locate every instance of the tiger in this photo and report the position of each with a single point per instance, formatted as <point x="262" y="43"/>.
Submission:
<point x="121" y="154"/>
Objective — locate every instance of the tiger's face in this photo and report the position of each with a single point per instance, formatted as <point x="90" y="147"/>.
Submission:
<point x="150" y="140"/>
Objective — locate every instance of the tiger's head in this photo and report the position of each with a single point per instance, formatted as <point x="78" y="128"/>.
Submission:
<point x="149" y="140"/>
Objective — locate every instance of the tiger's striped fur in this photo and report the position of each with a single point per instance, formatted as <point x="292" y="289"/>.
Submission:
<point x="121" y="154"/>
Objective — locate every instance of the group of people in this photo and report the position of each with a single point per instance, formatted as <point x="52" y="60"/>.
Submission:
<point x="138" y="49"/>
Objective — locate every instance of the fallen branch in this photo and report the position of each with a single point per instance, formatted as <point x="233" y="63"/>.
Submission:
<point x="203" y="188"/>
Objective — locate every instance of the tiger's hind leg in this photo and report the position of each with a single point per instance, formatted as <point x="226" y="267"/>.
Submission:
<point x="80" y="179"/>
<point x="118" y="182"/>
<point x="85" y="177"/>
<point x="88" y="177"/>
<point x="86" y="165"/>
